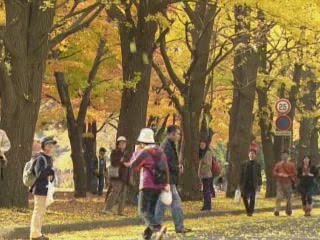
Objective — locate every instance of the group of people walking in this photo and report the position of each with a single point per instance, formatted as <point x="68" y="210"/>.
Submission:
<point x="159" y="169"/>
<point x="288" y="178"/>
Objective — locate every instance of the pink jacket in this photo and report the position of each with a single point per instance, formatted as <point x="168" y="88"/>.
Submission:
<point x="144" y="162"/>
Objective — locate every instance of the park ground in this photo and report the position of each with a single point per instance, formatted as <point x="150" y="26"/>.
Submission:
<point x="74" y="219"/>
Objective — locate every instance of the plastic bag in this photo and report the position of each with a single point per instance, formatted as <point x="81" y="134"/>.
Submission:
<point x="51" y="190"/>
<point x="237" y="197"/>
<point x="166" y="197"/>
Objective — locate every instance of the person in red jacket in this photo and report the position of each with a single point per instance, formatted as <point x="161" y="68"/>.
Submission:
<point x="285" y="172"/>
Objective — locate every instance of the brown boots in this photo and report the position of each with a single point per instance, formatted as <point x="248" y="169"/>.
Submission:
<point x="307" y="210"/>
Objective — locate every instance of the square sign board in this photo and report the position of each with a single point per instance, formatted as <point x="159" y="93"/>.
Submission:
<point x="283" y="133"/>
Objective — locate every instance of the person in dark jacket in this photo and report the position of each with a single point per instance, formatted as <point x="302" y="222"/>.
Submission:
<point x="175" y="168"/>
<point x="306" y="176"/>
<point x="44" y="173"/>
<point x="118" y="178"/>
<point x="250" y="180"/>
<point x="101" y="170"/>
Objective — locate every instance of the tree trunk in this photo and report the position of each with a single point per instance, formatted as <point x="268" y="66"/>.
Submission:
<point x="26" y="47"/>
<point x="75" y="137"/>
<point x="89" y="152"/>
<point x="136" y="69"/>
<point x="194" y="96"/>
<point x="304" y="137"/>
<point x="241" y="120"/>
<point x="79" y="169"/>
<point x="265" y="123"/>
<point x="190" y="155"/>
<point x="314" y="143"/>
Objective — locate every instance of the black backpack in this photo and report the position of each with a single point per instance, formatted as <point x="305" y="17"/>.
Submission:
<point x="160" y="170"/>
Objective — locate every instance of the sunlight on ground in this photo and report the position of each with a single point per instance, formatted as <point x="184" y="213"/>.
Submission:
<point x="228" y="224"/>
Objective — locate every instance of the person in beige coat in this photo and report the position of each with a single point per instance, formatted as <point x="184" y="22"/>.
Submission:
<point x="205" y="174"/>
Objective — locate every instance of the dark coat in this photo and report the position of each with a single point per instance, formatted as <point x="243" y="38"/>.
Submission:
<point x="42" y="173"/>
<point x="256" y="176"/>
<point x="115" y="159"/>
<point x="170" y="150"/>
<point x="306" y="184"/>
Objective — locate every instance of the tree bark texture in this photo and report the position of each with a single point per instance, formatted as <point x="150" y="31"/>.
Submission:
<point x="26" y="49"/>
<point x="245" y="71"/>
<point x="136" y="69"/>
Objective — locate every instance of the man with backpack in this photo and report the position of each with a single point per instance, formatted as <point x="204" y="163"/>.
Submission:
<point x="175" y="168"/>
<point x="154" y="178"/>
<point x="42" y="165"/>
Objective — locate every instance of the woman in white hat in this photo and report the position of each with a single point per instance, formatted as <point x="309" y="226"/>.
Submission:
<point x="118" y="177"/>
<point x="154" y="178"/>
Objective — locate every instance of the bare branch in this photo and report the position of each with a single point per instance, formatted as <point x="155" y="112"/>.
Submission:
<point x="92" y="75"/>
<point x="166" y="86"/>
<point x="75" y="28"/>
<point x="175" y="79"/>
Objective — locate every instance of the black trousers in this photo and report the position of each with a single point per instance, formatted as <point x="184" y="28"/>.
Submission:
<point x="249" y="200"/>
<point x="306" y="199"/>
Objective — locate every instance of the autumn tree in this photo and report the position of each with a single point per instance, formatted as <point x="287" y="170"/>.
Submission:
<point x="76" y="124"/>
<point x="193" y="84"/>
<point x="24" y="50"/>
<point x="137" y="30"/>
<point x="241" y="118"/>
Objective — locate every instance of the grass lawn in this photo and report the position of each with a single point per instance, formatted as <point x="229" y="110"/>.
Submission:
<point x="261" y="226"/>
<point x="68" y="210"/>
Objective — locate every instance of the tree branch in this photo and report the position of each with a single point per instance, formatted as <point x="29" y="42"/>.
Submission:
<point x="166" y="86"/>
<point x="75" y="28"/>
<point x="175" y="79"/>
<point x="92" y="75"/>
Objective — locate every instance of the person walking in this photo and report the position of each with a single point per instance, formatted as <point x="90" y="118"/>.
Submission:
<point x="118" y="178"/>
<point x="205" y="173"/>
<point x="154" y="178"/>
<point x="101" y="170"/>
<point x="43" y="170"/>
<point x="175" y="168"/>
<point x="250" y="181"/>
<point x="285" y="173"/>
<point x="307" y="174"/>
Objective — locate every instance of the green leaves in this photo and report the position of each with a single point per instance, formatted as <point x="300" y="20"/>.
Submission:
<point x="47" y="4"/>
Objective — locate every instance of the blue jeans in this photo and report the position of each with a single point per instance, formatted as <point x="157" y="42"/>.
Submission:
<point x="148" y="199"/>
<point x="176" y="210"/>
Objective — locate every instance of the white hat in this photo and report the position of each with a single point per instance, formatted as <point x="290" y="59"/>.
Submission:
<point x="146" y="136"/>
<point x="121" y="139"/>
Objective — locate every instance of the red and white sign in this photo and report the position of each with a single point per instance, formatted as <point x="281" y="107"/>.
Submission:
<point x="254" y="146"/>
<point x="283" y="106"/>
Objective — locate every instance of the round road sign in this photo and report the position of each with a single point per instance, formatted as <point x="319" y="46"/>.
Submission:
<point x="283" y="123"/>
<point x="283" y="106"/>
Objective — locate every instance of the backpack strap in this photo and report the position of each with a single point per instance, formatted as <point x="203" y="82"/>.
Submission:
<point x="37" y="158"/>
